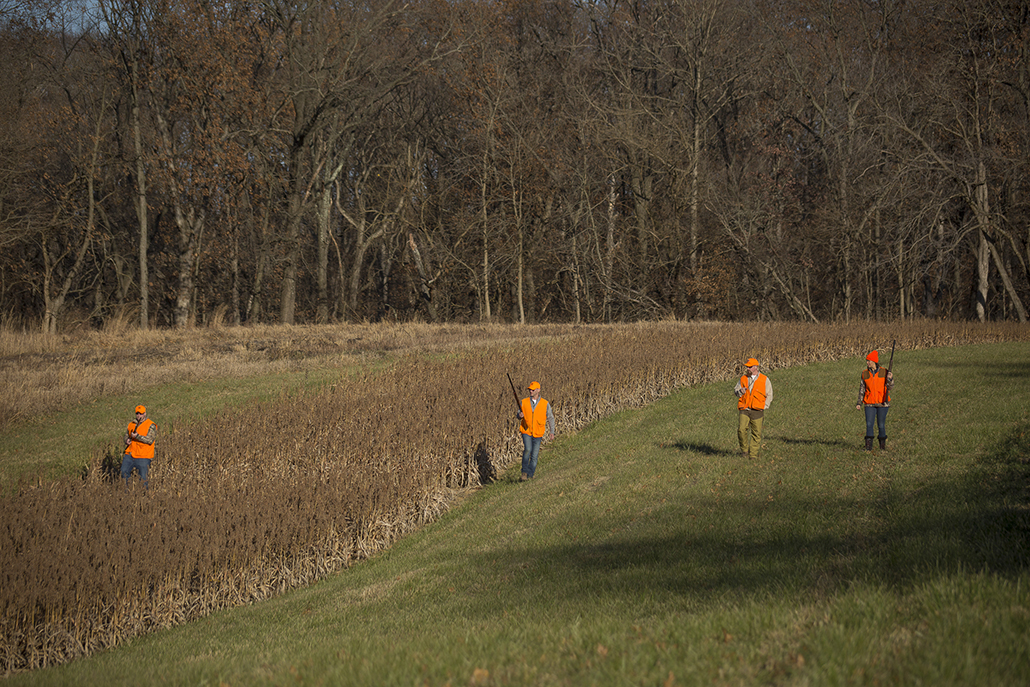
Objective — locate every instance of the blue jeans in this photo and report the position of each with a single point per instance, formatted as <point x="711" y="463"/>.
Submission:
<point x="530" y="452"/>
<point x="879" y="415"/>
<point x="140" y="465"/>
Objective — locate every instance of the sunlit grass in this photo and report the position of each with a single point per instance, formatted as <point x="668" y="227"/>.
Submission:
<point x="646" y="529"/>
<point x="647" y="552"/>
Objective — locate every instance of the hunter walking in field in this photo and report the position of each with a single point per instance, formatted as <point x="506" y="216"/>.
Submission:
<point x="139" y="447"/>
<point x="874" y="394"/>
<point x="537" y="421"/>
<point x="754" y="395"/>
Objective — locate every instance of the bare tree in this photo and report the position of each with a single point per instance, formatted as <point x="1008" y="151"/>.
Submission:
<point x="959" y="128"/>
<point x="340" y="63"/>
<point x="836" y="59"/>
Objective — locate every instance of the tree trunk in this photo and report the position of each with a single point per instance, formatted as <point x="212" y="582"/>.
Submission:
<point x="235" y="266"/>
<point x="255" y="301"/>
<point x="424" y="281"/>
<point x="295" y="208"/>
<point x="519" y="252"/>
<point x="53" y="304"/>
<point x="191" y="227"/>
<point x="983" y="272"/>
<point x="325" y="202"/>
<point x="141" y="202"/>
<point x="1010" y="288"/>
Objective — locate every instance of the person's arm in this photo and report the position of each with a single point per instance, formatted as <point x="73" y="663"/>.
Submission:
<point x="768" y="393"/>
<point x="739" y="389"/>
<point x="861" y="393"/>
<point x="149" y="438"/>
<point x="550" y="420"/>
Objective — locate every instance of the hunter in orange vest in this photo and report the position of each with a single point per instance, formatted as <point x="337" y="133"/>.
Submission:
<point x="874" y="394"/>
<point x="754" y="395"/>
<point x="537" y="420"/>
<point x="139" y="447"/>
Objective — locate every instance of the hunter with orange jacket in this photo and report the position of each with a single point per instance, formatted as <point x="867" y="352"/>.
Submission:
<point x="139" y="447"/>
<point x="754" y="396"/>
<point x="874" y="394"/>
<point x="537" y="420"/>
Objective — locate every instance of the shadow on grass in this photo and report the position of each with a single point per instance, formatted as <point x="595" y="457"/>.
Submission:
<point x="836" y="443"/>
<point x="812" y="547"/>
<point x="1006" y="369"/>
<point x="697" y="447"/>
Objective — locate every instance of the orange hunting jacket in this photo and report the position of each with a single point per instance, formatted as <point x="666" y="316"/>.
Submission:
<point x="876" y="387"/>
<point x="753" y="398"/>
<point x="139" y="449"/>
<point x="534" y="422"/>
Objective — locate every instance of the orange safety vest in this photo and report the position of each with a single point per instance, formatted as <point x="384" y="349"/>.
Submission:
<point x="534" y="422"/>
<point x="137" y="449"/>
<point x="875" y="386"/>
<point x="753" y="398"/>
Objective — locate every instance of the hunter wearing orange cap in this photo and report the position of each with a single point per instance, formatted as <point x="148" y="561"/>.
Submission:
<point x="537" y="421"/>
<point x="874" y="393"/>
<point x="139" y="447"/>
<point x="754" y="395"/>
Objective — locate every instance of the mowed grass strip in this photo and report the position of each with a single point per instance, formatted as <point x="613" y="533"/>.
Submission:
<point x="648" y="552"/>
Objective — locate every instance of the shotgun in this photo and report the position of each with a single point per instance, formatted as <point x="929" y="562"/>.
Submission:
<point x="890" y="364"/>
<point x="518" y="403"/>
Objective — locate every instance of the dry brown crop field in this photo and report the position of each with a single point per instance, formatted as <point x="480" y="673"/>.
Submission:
<point x="259" y="499"/>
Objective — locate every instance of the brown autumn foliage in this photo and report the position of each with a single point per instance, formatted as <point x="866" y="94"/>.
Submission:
<point x="258" y="500"/>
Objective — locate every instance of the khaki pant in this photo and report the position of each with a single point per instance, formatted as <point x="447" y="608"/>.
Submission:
<point x="749" y="433"/>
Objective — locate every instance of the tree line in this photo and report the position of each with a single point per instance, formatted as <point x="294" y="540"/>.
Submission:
<point x="182" y="162"/>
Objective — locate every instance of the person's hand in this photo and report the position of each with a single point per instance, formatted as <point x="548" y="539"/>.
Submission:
<point x="858" y="406"/>
<point x="890" y="376"/>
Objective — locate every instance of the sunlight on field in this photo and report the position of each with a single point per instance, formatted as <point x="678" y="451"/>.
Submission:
<point x="350" y="468"/>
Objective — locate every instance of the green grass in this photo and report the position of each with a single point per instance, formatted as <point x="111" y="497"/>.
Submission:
<point x="647" y="552"/>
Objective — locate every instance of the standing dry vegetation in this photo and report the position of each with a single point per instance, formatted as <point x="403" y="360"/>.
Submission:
<point x="260" y="499"/>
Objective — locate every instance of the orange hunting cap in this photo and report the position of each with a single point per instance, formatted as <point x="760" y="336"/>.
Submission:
<point x="533" y="385"/>
<point x="141" y="409"/>
<point x="751" y="362"/>
<point x="874" y="356"/>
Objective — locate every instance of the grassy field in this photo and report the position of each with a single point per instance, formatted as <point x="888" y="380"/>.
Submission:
<point x="648" y="552"/>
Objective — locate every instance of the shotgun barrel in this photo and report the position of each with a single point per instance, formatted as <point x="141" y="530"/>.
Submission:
<point x="518" y="403"/>
<point x="890" y="364"/>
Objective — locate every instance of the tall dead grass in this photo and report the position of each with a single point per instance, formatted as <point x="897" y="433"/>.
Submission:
<point x="39" y="372"/>
<point x="261" y="499"/>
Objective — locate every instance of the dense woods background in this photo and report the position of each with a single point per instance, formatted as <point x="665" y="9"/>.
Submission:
<point x="182" y="162"/>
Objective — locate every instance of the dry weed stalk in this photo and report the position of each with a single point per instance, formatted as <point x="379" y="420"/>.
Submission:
<point x="259" y="500"/>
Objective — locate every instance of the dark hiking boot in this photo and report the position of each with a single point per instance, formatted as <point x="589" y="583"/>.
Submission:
<point x="868" y="443"/>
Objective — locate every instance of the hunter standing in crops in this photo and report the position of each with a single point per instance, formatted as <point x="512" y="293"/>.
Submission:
<point x="139" y="447"/>
<point x="537" y="420"/>
<point x="874" y="393"/>
<point x="754" y="395"/>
